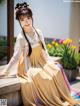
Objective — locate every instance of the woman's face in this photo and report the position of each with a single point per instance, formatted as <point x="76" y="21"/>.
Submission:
<point x="26" y="22"/>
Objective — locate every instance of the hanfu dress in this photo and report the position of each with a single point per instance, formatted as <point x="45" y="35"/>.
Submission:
<point x="42" y="81"/>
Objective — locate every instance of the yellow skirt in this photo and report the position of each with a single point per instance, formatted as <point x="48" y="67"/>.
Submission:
<point x="43" y="84"/>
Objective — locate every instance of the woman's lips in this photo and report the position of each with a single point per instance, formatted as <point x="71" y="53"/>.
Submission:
<point x="27" y="25"/>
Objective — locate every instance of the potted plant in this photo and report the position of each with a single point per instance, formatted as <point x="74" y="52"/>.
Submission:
<point x="69" y="60"/>
<point x="68" y="54"/>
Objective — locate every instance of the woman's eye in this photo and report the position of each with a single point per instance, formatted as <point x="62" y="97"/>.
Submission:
<point x="28" y="18"/>
<point x="22" y="20"/>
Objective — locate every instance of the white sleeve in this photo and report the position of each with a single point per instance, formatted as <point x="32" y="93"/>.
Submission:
<point x="19" y="46"/>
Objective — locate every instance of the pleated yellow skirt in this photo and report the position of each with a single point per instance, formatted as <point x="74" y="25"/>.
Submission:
<point x="43" y="84"/>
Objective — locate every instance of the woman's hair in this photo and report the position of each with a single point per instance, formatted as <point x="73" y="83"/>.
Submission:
<point x="23" y="9"/>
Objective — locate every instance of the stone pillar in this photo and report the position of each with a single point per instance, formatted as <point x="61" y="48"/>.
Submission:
<point x="75" y="23"/>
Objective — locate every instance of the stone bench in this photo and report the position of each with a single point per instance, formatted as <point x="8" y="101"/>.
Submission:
<point x="10" y="90"/>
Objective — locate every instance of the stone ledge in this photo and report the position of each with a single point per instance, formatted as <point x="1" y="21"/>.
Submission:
<point x="8" y="85"/>
<point x="10" y="90"/>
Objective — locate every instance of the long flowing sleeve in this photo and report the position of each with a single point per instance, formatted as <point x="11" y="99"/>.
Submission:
<point x="18" y="48"/>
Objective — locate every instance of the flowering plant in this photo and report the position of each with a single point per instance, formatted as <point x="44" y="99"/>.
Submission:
<point x="65" y="50"/>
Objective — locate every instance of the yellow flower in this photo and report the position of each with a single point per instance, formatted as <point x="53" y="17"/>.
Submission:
<point x="67" y="41"/>
<point x="49" y="45"/>
<point x="73" y="47"/>
<point x="64" y="42"/>
<point x="53" y="42"/>
<point x="56" y="44"/>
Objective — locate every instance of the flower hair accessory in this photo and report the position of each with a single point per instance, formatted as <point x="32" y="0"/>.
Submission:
<point x="20" y="5"/>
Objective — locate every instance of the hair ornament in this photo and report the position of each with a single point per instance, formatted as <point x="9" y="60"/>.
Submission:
<point x="21" y="5"/>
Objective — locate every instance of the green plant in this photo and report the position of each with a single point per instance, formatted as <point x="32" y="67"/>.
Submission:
<point x="54" y="49"/>
<point x="68" y="59"/>
<point x="64" y="49"/>
<point x="3" y="47"/>
<point x="78" y="58"/>
<point x="1" y="1"/>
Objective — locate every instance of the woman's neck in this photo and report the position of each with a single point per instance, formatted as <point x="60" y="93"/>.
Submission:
<point x="30" y="32"/>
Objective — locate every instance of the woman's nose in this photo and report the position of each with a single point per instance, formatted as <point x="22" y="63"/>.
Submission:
<point x="26" y="21"/>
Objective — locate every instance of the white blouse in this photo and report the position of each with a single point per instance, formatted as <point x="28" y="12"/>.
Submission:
<point x="22" y="45"/>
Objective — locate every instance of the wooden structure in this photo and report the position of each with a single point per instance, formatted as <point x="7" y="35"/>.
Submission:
<point x="10" y="28"/>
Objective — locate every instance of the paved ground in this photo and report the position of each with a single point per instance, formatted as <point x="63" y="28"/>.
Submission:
<point x="76" y="84"/>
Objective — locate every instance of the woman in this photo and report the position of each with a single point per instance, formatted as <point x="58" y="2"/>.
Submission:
<point x="42" y="81"/>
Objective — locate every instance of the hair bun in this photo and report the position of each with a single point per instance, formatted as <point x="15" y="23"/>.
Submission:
<point x="23" y="9"/>
<point x="17" y="5"/>
<point x="25" y="4"/>
<point x="21" y="5"/>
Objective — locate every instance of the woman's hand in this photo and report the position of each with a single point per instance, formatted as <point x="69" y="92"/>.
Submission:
<point x="3" y="73"/>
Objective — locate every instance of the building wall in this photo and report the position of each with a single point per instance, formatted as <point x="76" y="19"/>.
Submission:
<point x="54" y="17"/>
<point x="48" y="15"/>
<point x="75" y="23"/>
<point x="51" y="16"/>
<point x="3" y="18"/>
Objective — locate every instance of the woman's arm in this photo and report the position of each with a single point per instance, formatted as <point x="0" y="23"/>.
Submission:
<point x="19" y="46"/>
